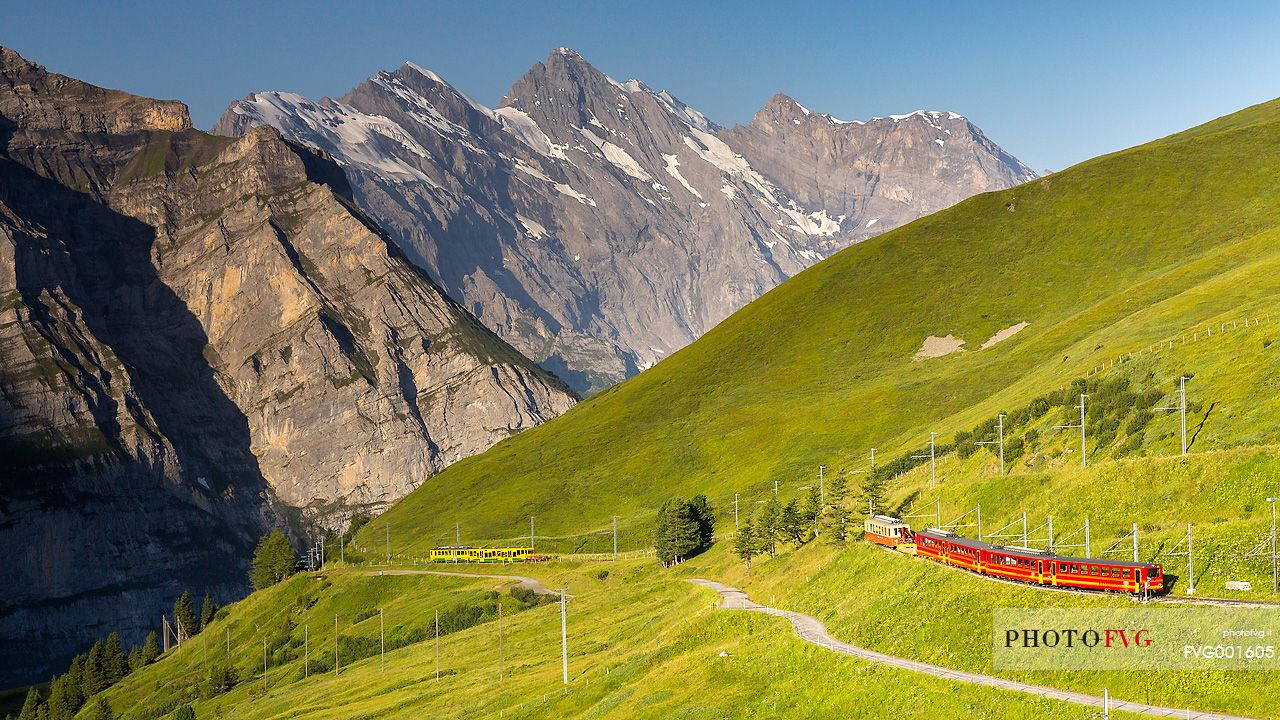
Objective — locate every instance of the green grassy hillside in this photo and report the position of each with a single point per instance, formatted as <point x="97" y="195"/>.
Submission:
<point x="1131" y="270"/>
<point x="1112" y="256"/>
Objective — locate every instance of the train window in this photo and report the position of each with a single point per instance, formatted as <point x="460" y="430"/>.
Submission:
<point x="1126" y="573"/>
<point x="1075" y="568"/>
<point x="1155" y="572"/>
<point x="1093" y="569"/>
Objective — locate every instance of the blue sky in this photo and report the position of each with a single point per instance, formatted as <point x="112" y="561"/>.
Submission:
<point x="1054" y="83"/>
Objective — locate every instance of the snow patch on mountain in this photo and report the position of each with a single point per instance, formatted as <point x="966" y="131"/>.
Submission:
<point x="673" y="169"/>
<point x="616" y="155"/>
<point x="519" y="124"/>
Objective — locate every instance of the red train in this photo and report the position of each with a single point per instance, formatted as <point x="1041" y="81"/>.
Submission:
<point x="1037" y="567"/>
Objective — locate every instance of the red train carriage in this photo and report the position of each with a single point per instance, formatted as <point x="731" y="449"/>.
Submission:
<point x="888" y="531"/>
<point x="1038" y="567"/>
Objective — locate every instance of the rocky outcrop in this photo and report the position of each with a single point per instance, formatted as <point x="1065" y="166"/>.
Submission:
<point x="199" y="338"/>
<point x="600" y="225"/>
<point x="878" y="174"/>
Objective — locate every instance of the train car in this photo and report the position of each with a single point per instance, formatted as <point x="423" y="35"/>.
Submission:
<point x="1039" y="567"/>
<point x="468" y="554"/>
<point x="887" y="531"/>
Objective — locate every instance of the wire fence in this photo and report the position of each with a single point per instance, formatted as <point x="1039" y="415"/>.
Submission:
<point x="1189" y="336"/>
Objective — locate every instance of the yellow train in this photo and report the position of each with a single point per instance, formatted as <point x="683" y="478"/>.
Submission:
<point x="468" y="554"/>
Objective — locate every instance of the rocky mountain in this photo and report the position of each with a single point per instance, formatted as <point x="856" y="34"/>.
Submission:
<point x="600" y="225"/>
<point x="200" y="338"/>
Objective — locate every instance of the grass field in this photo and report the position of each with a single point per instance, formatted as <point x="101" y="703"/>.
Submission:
<point x="1137" y="252"/>
<point x="1112" y="256"/>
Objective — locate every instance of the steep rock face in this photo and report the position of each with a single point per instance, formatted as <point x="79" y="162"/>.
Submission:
<point x="600" y="225"/>
<point x="878" y="174"/>
<point x="196" y="334"/>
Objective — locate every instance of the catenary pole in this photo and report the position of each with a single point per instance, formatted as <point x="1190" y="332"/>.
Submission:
<point x="564" y="641"/>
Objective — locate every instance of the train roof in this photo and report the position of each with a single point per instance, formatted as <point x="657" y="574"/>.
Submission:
<point x="1025" y="552"/>
<point x="888" y="519"/>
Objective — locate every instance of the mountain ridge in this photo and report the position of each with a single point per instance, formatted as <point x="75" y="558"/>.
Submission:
<point x="646" y="227"/>
<point x="202" y="338"/>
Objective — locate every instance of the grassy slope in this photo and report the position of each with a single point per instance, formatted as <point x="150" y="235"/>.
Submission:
<point x="643" y="645"/>
<point x="1112" y="255"/>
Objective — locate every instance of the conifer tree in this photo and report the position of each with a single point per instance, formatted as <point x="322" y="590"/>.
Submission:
<point x="94" y="679"/>
<point x="273" y="560"/>
<point x="150" y="649"/>
<point x="184" y="617"/>
<point x="30" y="706"/>
<point x="102" y="711"/>
<point x="207" y="611"/>
<point x="114" y="663"/>
<point x="791" y="525"/>
<point x="744" y="543"/>
<point x="837" y="513"/>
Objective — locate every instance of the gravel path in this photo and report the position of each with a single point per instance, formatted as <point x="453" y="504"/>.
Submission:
<point x="812" y="630"/>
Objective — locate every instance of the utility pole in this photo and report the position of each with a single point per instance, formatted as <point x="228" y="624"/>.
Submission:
<point x="1182" y="392"/>
<point x="382" y="636"/>
<point x="1000" y="431"/>
<point x="1024" y="528"/>
<point x="937" y="510"/>
<point x="1275" y="579"/>
<point x="873" y="458"/>
<point x="1135" y="542"/>
<point x="933" y="472"/>
<point x="564" y="641"/>
<point x="264" y="656"/>
<point x="1191" y="566"/>
<point x="306" y="651"/>
<point x="933" y="467"/>
<point x="979" y="509"/>
<point x="388" y="542"/>
<point x="1084" y="457"/>
<point x="530" y="532"/>
<point x="1086" y="536"/>
<point x="437" y="645"/>
<point x="1182" y="410"/>
<point x="457" y="539"/>
<point x="335" y="645"/>
<point x="775" y="489"/>
<point x="499" y="644"/>
<point x="735" y="512"/>
<point x="615" y="537"/>
<point x="822" y="488"/>
<point x="1050" y="534"/>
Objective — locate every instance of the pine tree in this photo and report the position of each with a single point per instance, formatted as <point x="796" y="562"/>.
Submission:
<point x="114" y="663"/>
<point x="837" y="514"/>
<point x="94" y="679"/>
<point x="207" y="611"/>
<point x="150" y="648"/>
<point x="30" y="706"/>
<point x="102" y="711"/>
<point x="769" y="526"/>
<point x="273" y="560"/>
<point x="873" y="492"/>
<point x="184" y="713"/>
<point x="684" y="528"/>
<point x="135" y="658"/>
<point x="813" y="510"/>
<point x="744" y="544"/>
<point x="705" y="516"/>
<point x="791" y="525"/>
<point x="184" y="617"/>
